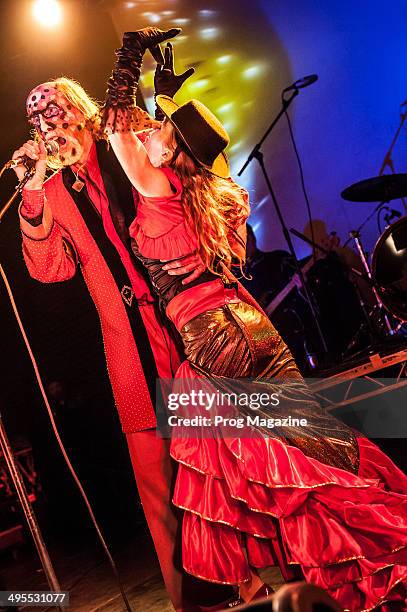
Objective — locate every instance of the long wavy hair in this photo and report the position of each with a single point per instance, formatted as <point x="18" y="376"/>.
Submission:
<point x="214" y="208"/>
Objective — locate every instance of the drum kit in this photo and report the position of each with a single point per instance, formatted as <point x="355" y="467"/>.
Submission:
<point x="360" y="324"/>
<point x="388" y="270"/>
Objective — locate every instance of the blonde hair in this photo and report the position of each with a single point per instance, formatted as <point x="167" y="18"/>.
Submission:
<point x="77" y="96"/>
<point x="80" y="99"/>
<point x="214" y="208"/>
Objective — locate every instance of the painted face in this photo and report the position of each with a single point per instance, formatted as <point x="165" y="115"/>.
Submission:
<point x="159" y="144"/>
<point x="55" y="118"/>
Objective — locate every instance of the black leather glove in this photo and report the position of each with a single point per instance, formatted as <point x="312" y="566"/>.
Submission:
<point x="149" y="38"/>
<point x="122" y="85"/>
<point x="166" y="82"/>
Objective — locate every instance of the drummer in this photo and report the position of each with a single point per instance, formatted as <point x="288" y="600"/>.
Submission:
<point x="348" y="257"/>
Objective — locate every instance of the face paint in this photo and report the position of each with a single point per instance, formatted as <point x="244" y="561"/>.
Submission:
<point x="55" y="118"/>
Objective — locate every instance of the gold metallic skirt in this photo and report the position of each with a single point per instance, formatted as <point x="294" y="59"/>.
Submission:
<point x="237" y="348"/>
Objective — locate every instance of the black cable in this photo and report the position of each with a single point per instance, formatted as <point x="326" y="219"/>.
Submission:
<point x="304" y="190"/>
<point x="59" y="441"/>
<point x="379" y="226"/>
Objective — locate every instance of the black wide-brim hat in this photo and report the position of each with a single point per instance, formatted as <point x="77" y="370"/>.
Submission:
<point x="201" y="131"/>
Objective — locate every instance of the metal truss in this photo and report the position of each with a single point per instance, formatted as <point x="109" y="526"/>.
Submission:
<point x="344" y="388"/>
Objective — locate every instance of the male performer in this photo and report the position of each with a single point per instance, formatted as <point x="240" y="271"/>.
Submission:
<point x="80" y="217"/>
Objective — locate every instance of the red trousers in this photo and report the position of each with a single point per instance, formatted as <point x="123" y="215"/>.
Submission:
<point x="155" y="473"/>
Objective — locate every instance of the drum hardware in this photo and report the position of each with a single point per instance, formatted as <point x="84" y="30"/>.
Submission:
<point x="374" y="335"/>
<point x="388" y="160"/>
<point x="376" y="211"/>
<point x="381" y="189"/>
<point x="390" y="214"/>
<point x="379" y="304"/>
<point x="389" y="259"/>
<point x="316" y="245"/>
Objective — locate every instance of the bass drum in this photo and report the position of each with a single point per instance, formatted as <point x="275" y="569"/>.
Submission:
<point x="389" y="268"/>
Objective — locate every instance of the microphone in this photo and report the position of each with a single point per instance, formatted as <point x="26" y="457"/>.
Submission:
<point x="393" y="214"/>
<point x="301" y="83"/>
<point x="52" y="148"/>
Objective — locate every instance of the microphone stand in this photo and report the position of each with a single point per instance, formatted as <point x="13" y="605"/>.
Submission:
<point x="29" y="173"/>
<point x="9" y="457"/>
<point x="256" y="153"/>
<point x="388" y="161"/>
<point x="28" y="511"/>
<point x="362" y="225"/>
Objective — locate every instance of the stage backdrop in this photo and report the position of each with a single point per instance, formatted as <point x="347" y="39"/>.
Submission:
<point x="246" y="52"/>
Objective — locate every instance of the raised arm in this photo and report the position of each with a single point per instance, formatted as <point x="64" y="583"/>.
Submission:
<point x="132" y="155"/>
<point x="120" y="109"/>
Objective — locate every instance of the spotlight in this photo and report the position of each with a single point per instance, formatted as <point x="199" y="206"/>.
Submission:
<point x="200" y="84"/>
<point x="181" y="21"/>
<point x="251" y="72"/>
<point x="209" y="33"/>
<point x="224" y="59"/>
<point x="226" y="108"/>
<point x="47" y="12"/>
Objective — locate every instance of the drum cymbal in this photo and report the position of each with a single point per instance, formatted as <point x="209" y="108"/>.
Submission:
<point x="377" y="189"/>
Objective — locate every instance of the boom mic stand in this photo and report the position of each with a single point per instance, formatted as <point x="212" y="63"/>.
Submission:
<point x="257" y="154"/>
<point x="28" y="511"/>
<point x="29" y="173"/>
<point x="388" y="160"/>
<point x="10" y="460"/>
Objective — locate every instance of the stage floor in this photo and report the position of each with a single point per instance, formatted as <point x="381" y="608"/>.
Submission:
<point x="83" y="570"/>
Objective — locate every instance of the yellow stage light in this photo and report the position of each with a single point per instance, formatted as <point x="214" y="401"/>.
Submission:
<point x="47" y="12"/>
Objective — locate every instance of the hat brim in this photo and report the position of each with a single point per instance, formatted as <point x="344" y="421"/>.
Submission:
<point x="220" y="166"/>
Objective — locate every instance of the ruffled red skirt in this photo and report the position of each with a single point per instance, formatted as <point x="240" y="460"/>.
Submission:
<point x="340" y="512"/>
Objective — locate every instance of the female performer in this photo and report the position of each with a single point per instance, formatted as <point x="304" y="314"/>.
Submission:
<point x="327" y="501"/>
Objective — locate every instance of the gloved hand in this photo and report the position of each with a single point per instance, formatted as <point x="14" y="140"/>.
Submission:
<point x="166" y="82"/>
<point x="122" y="85"/>
<point x="149" y="38"/>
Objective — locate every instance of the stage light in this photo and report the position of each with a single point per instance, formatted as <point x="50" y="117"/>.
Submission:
<point x="229" y="126"/>
<point x="224" y="59"/>
<point x="206" y="13"/>
<point x="235" y="147"/>
<point x="209" y="33"/>
<point x="47" y="12"/>
<point x="226" y="108"/>
<point x="181" y="21"/>
<point x="200" y="84"/>
<point x="152" y="17"/>
<point x="251" y="72"/>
